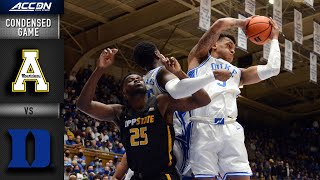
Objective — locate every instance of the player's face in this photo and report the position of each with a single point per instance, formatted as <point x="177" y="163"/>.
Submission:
<point x="134" y="85"/>
<point x="225" y="48"/>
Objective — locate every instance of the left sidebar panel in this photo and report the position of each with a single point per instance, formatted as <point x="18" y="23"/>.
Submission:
<point x="31" y="90"/>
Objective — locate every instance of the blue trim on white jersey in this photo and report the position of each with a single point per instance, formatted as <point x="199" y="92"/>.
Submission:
<point x="180" y="116"/>
<point x="182" y="142"/>
<point x="182" y="139"/>
<point x="192" y="73"/>
<point x="195" y="69"/>
<point x="236" y="174"/>
<point x="176" y="114"/>
<point x="205" y="176"/>
<point x="188" y="136"/>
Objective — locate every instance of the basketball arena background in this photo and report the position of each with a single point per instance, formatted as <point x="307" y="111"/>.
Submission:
<point x="280" y="115"/>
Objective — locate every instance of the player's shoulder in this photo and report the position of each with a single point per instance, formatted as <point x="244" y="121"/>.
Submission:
<point x="163" y="99"/>
<point x="197" y="62"/>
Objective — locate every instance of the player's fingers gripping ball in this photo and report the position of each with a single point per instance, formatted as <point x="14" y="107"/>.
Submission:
<point x="259" y="29"/>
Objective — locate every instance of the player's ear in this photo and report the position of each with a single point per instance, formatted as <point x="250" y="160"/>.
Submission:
<point x="214" y="46"/>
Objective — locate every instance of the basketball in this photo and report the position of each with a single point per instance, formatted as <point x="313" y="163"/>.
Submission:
<point x="259" y="29"/>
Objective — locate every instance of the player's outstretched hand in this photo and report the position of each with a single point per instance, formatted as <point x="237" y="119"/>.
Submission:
<point x="106" y="58"/>
<point x="171" y="64"/>
<point x="222" y="74"/>
<point x="275" y="30"/>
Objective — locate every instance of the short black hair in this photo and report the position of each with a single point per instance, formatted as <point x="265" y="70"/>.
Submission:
<point x="223" y="35"/>
<point x="144" y="53"/>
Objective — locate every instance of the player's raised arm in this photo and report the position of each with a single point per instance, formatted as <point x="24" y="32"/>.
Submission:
<point x="186" y="86"/>
<point x="259" y="73"/>
<point x="85" y="101"/>
<point x="200" y="51"/>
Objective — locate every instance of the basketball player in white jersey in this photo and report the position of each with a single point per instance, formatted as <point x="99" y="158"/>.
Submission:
<point x="217" y="140"/>
<point x="160" y="79"/>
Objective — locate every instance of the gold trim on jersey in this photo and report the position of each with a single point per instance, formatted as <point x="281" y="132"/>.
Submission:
<point x="168" y="177"/>
<point x="169" y="146"/>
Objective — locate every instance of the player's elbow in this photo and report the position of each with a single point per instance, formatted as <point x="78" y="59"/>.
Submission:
<point x="217" y="26"/>
<point x="82" y="106"/>
<point x="276" y="71"/>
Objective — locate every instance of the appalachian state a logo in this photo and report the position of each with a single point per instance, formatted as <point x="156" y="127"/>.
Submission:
<point x="30" y="70"/>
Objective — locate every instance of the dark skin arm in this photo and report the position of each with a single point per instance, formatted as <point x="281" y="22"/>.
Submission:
<point x="172" y="70"/>
<point x="85" y="101"/>
<point x="167" y="105"/>
<point x="121" y="168"/>
<point x="200" y="51"/>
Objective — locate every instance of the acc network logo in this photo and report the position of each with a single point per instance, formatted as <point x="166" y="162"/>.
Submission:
<point x="31" y="6"/>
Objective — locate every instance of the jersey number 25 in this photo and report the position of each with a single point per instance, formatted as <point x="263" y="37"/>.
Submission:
<point x="137" y="133"/>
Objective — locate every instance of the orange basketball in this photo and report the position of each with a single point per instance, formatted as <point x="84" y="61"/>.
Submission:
<point x="259" y="29"/>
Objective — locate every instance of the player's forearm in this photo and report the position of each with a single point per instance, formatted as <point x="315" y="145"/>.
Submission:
<point x="118" y="175"/>
<point x="121" y="169"/>
<point x="186" y="87"/>
<point x="201" y="97"/>
<point x="89" y="89"/>
<point x="181" y="75"/>
<point x="226" y="24"/>
<point x="272" y="68"/>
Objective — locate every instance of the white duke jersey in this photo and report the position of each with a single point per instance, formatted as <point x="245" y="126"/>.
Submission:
<point x="223" y="95"/>
<point x="150" y="79"/>
<point x="180" y="119"/>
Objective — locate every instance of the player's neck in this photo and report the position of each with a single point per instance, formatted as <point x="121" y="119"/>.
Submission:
<point x="137" y="103"/>
<point x="154" y="65"/>
<point x="215" y="55"/>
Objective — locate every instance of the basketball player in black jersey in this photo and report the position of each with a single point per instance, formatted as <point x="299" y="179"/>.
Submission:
<point x="145" y="124"/>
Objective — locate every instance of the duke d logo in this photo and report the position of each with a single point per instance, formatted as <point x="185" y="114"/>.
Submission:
<point x="30" y="70"/>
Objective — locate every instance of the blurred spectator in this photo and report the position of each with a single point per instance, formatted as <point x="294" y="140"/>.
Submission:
<point x="73" y="177"/>
<point x="70" y="140"/>
<point x="104" y="147"/>
<point x="79" y="140"/>
<point x="76" y="169"/>
<point x="120" y="149"/>
<point x="290" y="152"/>
<point x="67" y="172"/>
<point x="105" y="136"/>
<point x="67" y="156"/>
<point x="80" y="155"/>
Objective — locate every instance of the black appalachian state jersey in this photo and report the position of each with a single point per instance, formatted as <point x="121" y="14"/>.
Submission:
<point x="148" y="139"/>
